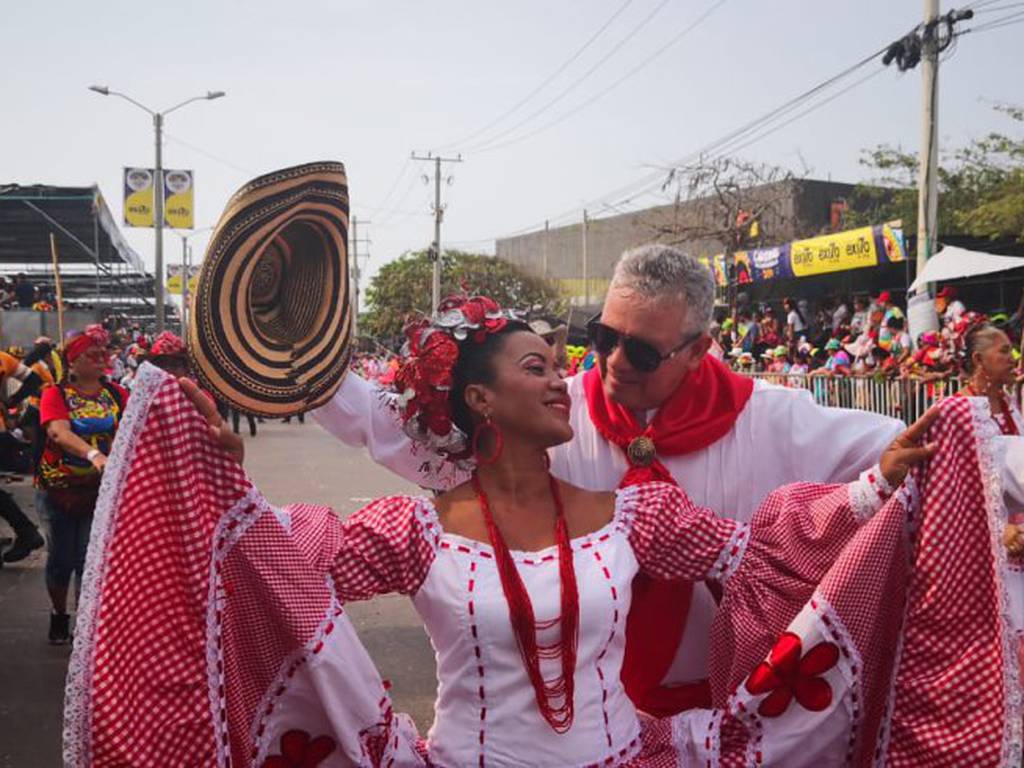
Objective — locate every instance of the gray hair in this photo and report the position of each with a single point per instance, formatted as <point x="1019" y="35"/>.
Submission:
<point x="660" y="272"/>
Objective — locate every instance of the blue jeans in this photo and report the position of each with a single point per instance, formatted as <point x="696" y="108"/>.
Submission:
<point x="67" y="540"/>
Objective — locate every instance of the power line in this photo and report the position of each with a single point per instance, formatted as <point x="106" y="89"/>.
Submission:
<point x="979" y="5"/>
<point x="547" y="81"/>
<point x="572" y="86"/>
<point x="551" y="124"/>
<point x="857" y="83"/>
<point x="210" y="155"/>
<point x="391" y="190"/>
<point x="1003" y="21"/>
<point x="655" y="180"/>
<point x="996" y="8"/>
<point x="391" y="212"/>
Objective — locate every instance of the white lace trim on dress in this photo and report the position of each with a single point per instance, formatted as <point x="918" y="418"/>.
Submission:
<point x="77" y="709"/>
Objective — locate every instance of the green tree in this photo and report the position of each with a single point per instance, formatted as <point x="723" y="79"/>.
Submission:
<point x="402" y="288"/>
<point x="981" y="187"/>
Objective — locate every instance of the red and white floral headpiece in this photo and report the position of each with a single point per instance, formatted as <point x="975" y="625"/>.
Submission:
<point x="424" y="378"/>
<point x="167" y="344"/>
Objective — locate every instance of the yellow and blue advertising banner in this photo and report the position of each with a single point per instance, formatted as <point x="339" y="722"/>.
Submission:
<point x="175" y="281"/>
<point x="138" y="197"/>
<point x="836" y="252"/>
<point x="179" y="199"/>
<point x="139" y="203"/>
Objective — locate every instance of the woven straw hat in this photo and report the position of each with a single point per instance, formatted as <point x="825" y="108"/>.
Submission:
<point x="271" y="321"/>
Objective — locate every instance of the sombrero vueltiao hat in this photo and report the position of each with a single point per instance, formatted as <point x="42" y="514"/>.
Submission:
<point x="271" y="319"/>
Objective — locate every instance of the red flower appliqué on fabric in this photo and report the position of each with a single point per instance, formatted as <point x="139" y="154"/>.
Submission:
<point x="298" y="750"/>
<point x="375" y="740"/>
<point x="786" y="675"/>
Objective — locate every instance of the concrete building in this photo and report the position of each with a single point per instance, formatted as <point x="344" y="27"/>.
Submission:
<point x="787" y="210"/>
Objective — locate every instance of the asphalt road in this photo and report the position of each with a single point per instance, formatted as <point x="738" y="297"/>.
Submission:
<point x="288" y="462"/>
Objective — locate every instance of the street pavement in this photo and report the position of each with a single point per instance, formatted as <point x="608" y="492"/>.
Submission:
<point x="288" y="462"/>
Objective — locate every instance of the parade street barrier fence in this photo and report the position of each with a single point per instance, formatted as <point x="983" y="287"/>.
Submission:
<point x="903" y="398"/>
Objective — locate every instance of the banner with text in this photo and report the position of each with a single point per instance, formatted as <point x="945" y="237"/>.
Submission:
<point x="835" y="252"/>
<point x="178" y="197"/>
<point x="175" y="283"/>
<point x="138" y="197"/>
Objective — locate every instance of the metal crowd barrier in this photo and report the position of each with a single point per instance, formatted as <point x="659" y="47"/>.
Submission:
<point x="903" y="398"/>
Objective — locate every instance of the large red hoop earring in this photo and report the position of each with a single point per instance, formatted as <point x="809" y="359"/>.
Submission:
<point x="499" y="442"/>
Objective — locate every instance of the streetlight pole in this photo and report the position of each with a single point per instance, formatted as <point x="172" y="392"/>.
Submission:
<point x="158" y="182"/>
<point x="186" y="269"/>
<point x="158" y="221"/>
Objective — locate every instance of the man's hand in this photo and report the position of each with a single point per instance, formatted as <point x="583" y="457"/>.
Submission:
<point x="219" y="430"/>
<point x="1013" y="539"/>
<point x="906" y="451"/>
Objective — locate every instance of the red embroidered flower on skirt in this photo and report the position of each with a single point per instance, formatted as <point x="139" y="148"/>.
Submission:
<point x="786" y="675"/>
<point x="375" y="740"/>
<point x="300" y="751"/>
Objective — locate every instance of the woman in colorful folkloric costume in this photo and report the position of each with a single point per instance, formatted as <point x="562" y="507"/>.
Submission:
<point x="212" y="628"/>
<point x="829" y="649"/>
<point x="80" y="417"/>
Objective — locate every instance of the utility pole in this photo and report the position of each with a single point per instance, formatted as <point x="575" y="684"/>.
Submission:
<point x="435" y="249"/>
<point x="586" y="274"/>
<point x="544" y="252"/>
<point x="356" y="272"/>
<point x="928" y="163"/>
<point x="924" y="44"/>
<point x="185" y="248"/>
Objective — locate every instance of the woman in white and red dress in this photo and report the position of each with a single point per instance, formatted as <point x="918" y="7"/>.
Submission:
<point x="990" y="367"/>
<point x="213" y="628"/>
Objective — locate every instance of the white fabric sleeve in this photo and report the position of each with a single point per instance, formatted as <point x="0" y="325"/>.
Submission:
<point x="868" y="493"/>
<point x="1011" y="449"/>
<point x="359" y="415"/>
<point x="834" y="445"/>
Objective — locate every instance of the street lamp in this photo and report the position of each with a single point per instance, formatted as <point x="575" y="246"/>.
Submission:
<point x="158" y="183"/>
<point x="186" y="266"/>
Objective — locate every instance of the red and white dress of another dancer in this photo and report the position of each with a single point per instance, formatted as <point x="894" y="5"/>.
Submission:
<point x="857" y="627"/>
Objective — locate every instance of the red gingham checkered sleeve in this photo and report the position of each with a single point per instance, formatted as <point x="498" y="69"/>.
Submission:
<point x="673" y="538"/>
<point x="383" y="549"/>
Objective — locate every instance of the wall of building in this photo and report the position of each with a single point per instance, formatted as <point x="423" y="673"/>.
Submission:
<point x="801" y="208"/>
<point x="21" y="327"/>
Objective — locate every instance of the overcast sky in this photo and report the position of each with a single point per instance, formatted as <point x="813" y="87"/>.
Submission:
<point x="366" y="82"/>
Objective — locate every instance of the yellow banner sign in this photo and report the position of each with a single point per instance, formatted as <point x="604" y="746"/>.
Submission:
<point x="178" y="199"/>
<point x="175" y="283"/>
<point x="834" y="253"/>
<point x="138" y="197"/>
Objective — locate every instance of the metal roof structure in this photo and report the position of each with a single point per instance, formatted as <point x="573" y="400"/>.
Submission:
<point x="98" y="265"/>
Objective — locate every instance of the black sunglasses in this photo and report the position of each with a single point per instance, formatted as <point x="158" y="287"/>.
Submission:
<point x="641" y="354"/>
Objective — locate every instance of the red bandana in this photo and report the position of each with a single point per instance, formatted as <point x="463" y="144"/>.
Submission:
<point x="701" y="411"/>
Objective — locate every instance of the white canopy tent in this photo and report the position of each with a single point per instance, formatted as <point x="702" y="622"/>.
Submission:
<point x="952" y="263"/>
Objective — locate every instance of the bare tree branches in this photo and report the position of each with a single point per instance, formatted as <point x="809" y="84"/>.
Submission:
<point x="728" y="202"/>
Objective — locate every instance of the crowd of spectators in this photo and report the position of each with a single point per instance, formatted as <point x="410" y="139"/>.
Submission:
<point x="61" y="407"/>
<point x="19" y="292"/>
<point x="865" y="336"/>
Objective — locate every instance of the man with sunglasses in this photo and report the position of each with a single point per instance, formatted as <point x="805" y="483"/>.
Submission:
<point x="657" y="406"/>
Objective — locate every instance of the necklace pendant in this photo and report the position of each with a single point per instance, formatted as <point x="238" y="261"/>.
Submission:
<point x="641" y="451"/>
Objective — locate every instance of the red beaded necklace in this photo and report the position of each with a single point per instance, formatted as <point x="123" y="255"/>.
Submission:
<point x="520" y="610"/>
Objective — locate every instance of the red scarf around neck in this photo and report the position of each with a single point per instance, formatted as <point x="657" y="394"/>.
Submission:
<point x="701" y="411"/>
